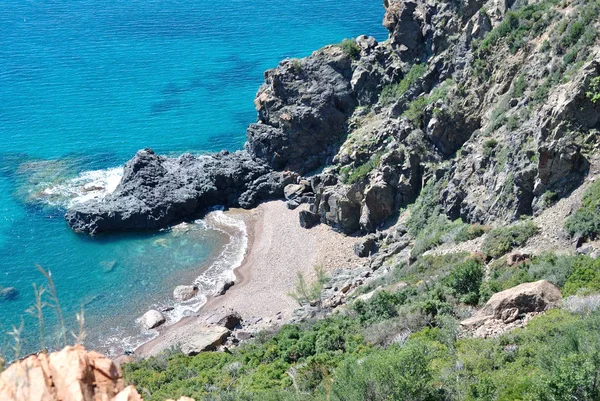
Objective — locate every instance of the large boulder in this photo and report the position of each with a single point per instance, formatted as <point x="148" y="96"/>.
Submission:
<point x="152" y="319"/>
<point x="70" y="374"/>
<point x="184" y="293"/>
<point x="204" y="339"/>
<point x="509" y="304"/>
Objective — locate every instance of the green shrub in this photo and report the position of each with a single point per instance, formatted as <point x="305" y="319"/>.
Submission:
<point x="350" y="48"/>
<point x="501" y="240"/>
<point x="465" y="281"/>
<point x="362" y="171"/>
<point x="394" y="91"/>
<point x="593" y="92"/>
<point x="519" y="86"/>
<point x="548" y="266"/>
<point x="469" y="232"/>
<point x="489" y="146"/>
<point x="381" y="306"/>
<point x="585" y="277"/>
<point x="393" y="374"/>
<point x="416" y="108"/>
<point x="586" y="220"/>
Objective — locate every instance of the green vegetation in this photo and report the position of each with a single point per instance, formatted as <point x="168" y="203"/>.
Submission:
<point x="350" y="48"/>
<point x="501" y="240"/>
<point x="524" y="22"/>
<point x="394" y="91"/>
<point x="585" y="277"/>
<point x="586" y="220"/>
<point x="593" y="92"/>
<point x="350" y="176"/>
<point x="416" y="108"/>
<point x="489" y="146"/>
<point x="308" y="294"/>
<point x="519" y="86"/>
<point x="469" y="232"/>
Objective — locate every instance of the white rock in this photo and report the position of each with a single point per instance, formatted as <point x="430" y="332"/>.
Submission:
<point x="152" y="319"/>
<point x="185" y="292"/>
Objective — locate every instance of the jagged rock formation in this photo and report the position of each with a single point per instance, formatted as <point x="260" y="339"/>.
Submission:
<point x="483" y="99"/>
<point x="156" y="191"/>
<point x="72" y="374"/>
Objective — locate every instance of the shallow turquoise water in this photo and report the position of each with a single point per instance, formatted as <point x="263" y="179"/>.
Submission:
<point x="85" y="84"/>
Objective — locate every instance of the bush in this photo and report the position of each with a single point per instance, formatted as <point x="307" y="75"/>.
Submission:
<point x="465" y="281"/>
<point x="394" y="91"/>
<point x="586" y="220"/>
<point x="350" y="48"/>
<point x="393" y="374"/>
<point x="359" y="173"/>
<point x="469" y="232"/>
<point x="585" y="277"/>
<point x="501" y="240"/>
<point x="381" y="306"/>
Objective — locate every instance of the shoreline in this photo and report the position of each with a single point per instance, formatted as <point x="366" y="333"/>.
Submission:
<point x="277" y="250"/>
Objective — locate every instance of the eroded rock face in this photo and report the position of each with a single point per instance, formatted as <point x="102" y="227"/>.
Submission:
<point x="302" y="108"/>
<point x="71" y="374"/>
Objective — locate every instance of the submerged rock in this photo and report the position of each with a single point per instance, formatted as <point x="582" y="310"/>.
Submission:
<point x="8" y="293"/>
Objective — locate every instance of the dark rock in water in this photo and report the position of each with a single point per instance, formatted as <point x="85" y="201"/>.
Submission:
<point x="8" y="293"/>
<point x="308" y="219"/>
<point x="156" y="191"/>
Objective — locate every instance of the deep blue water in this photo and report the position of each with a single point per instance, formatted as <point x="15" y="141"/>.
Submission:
<point x="84" y="84"/>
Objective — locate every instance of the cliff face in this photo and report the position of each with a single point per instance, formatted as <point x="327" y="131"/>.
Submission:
<point x="486" y="100"/>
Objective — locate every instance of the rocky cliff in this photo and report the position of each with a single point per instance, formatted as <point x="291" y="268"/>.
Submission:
<point x="488" y="101"/>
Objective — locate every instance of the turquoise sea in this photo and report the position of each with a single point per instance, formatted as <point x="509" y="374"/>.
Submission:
<point x="85" y="84"/>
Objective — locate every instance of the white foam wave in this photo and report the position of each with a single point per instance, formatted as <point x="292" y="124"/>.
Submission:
<point x="88" y="185"/>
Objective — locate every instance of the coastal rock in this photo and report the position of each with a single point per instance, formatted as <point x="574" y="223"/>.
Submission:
<point x="524" y="298"/>
<point x="156" y="191"/>
<point x="70" y="374"/>
<point x="303" y="107"/>
<point x="152" y="319"/>
<point x="308" y="219"/>
<point x="204" y="339"/>
<point x="184" y="293"/>
<point x="8" y="293"/>
<point x="222" y="287"/>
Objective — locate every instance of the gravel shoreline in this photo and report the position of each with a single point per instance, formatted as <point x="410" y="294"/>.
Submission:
<point x="278" y="248"/>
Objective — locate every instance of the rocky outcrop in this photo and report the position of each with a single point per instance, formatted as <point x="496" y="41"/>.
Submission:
<point x="204" y="339"/>
<point x="152" y="319"/>
<point x="71" y="374"/>
<point x="156" y="191"/>
<point x="510" y="304"/>
<point x="302" y="108"/>
<point x="183" y="293"/>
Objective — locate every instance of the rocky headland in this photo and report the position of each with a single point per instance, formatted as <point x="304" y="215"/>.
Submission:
<point x="459" y="158"/>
